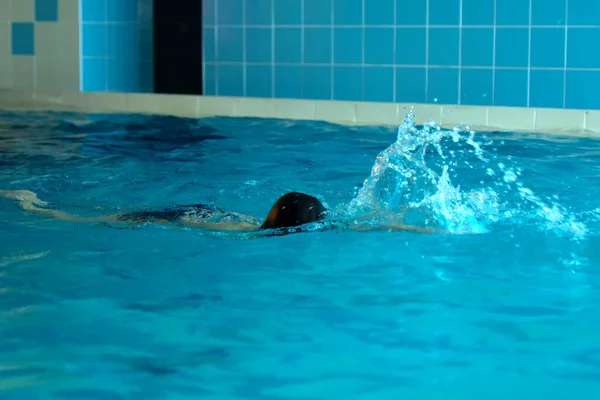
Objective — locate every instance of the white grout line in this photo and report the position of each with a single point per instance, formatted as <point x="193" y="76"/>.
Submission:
<point x="486" y="67"/>
<point x="390" y="26"/>
<point x="332" y="48"/>
<point x="529" y="58"/>
<point x="272" y="64"/>
<point x="395" y="50"/>
<point x="426" y="50"/>
<point x="106" y="55"/>
<point x="494" y="57"/>
<point x="460" y="28"/>
<point x="362" y="70"/>
<point x="566" y="53"/>
<point x="302" y="48"/>
<point x="216" y="35"/>
<point x="244" y="49"/>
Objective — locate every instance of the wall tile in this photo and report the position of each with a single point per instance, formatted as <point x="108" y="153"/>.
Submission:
<point x="583" y="48"/>
<point x="511" y="88"/>
<point x="442" y="85"/>
<point x="583" y="12"/>
<point x="582" y="89"/>
<point x="23" y="39"/>
<point x="512" y="47"/>
<point x="46" y="10"/>
<point x="411" y="45"/>
<point x="230" y="79"/>
<point x="379" y="45"/>
<point x="317" y="45"/>
<point x="444" y="12"/>
<point x="546" y="88"/>
<point x="317" y="12"/>
<point x="478" y="12"/>
<point x="229" y="12"/>
<point x="477" y="47"/>
<point x="288" y="82"/>
<point x="230" y="46"/>
<point x="259" y="80"/>
<point x="379" y="84"/>
<point x="512" y="12"/>
<point x="347" y="83"/>
<point x="348" y="45"/>
<point x="546" y="44"/>
<point x="548" y="12"/>
<point x="412" y="12"/>
<point x="258" y="12"/>
<point x="288" y="47"/>
<point x="287" y="12"/>
<point x="316" y="82"/>
<point x="347" y="12"/>
<point x="410" y="85"/>
<point x="380" y="12"/>
<point x="258" y="45"/>
<point x="443" y="46"/>
<point x="476" y="87"/>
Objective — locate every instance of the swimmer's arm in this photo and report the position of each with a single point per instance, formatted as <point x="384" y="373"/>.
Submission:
<point x="396" y="228"/>
<point x="230" y="226"/>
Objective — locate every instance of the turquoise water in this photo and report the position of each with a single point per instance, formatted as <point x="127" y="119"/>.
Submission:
<point x="89" y="311"/>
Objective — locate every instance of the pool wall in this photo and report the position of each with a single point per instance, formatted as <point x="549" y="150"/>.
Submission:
<point x="527" y="65"/>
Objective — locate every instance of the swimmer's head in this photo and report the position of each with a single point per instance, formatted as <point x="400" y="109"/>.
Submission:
<point x="294" y="209"/>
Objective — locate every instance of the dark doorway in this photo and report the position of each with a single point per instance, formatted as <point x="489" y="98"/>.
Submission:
<point x="178" y="46"/>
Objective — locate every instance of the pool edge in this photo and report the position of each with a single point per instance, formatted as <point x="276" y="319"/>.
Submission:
<point x="570" y="122"/>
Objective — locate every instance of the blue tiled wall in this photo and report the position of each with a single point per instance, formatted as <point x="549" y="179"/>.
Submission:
<point x="116" y="45"/>
<point x="536" y="53"/>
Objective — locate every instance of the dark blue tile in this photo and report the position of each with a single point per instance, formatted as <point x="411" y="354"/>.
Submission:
<point x="258" y="12"/>
<point x="478" y="12"/>
<point x="347" y="12"/>
<point x="208" y="12"/>
<point x="210" y="79"/>
<point x="259" y="80"/>
<point x="93" y="40"/>
<point x="288" y="12"/>
<point x="347" y="83"/>
<point x="548" y="47"/>
<point x="208" y="41"/>
<point x="23" y="42"/>
<point x="147" y="46"/>
<point x="317" y="12"/>
<point x="584" y="12"/>
<point x="288" y="45"/>
<point x="317" y="45"/>
<point x="512" y="12"/>
<point x="582" y="90"/>
<point x="510" y="89"/>
<point x="411" y="46"/>
<point x="258" y="45"/>
<point x="380" y="12"/>
<point x="288" y="82"/>
<point x="348" y="45"/>
<point x="230" y="80"/>
<point x="122" y="76"/>
<point x="379" y="84"/>
<point x="512" y="47"/>
<point x="546" y="88"/>
<point x="230" y="46"/>
<point x="442" y="85"/>
<point x="46" y="10"/>
<point x="379" y="45"/>
<point x="443" y="46"/>
<point x="548" y="12"/>
<point x="583" y="48"/>
<point x="94" y="75"/>
<point x="410" y="85"/>
<point x="147" y="77"/>
<point x="123" y="42"/>
<point x="230" y="12"/>
<point x="93" y="11"/>
<point x="316" y="83"/>
<point x="478" y="47"/>
<point x="476" y="87"/>
<point x="444" y="12"/>
<point x="412" y="12"/>
<point x="122" y="10"/>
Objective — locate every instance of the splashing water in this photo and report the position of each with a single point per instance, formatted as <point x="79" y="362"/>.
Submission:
<point x="420" y="171"/>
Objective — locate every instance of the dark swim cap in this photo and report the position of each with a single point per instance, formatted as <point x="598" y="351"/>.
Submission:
<point x="294" y="209"/>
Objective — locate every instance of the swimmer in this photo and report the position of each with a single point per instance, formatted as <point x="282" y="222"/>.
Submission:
<point x="292" y="213"/>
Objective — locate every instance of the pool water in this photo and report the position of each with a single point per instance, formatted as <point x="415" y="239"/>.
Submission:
<point x="506" y="306"/>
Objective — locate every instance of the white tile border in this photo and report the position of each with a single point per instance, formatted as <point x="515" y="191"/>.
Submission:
<point x="532" y="120"/>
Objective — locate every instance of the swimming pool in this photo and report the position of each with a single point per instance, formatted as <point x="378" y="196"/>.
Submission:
<point x="96" y="312"/>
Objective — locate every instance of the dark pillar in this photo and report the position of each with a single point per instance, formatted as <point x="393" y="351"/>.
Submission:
<point x="178" y="46"/>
